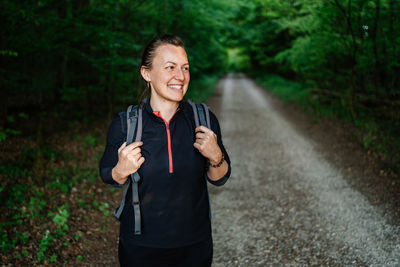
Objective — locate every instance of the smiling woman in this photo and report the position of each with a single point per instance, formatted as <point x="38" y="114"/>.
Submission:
<point x="172" y="159"/>
<point x="168" y="76"/>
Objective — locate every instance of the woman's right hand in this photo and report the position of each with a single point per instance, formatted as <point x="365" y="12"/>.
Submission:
<point x="129" y="161"/>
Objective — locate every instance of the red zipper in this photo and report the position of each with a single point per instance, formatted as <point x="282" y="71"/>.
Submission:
<point x="157" y="113"/>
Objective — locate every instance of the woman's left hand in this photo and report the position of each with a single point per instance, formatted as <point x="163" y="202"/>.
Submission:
<point x="206" y="144"/>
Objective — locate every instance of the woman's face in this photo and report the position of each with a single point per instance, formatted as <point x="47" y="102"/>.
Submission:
<point x="169" y="76"/>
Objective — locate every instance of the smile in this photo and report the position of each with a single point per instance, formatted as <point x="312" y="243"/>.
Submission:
<point x="178" y="87"/>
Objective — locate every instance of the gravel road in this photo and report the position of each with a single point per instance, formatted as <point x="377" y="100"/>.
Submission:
<point x="285" y="204"/>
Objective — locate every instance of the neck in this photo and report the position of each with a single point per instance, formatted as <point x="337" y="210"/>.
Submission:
<point x="167" y="108"/>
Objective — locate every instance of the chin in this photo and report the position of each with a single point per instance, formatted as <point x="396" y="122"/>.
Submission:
<point x="177" y="97"/>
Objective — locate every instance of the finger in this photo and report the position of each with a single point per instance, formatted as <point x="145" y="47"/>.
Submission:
<point x="201" y="135"/>
<point x="138" y="156"/>
<point x="134" y="157"/>
<point x="135" y="151"/>
<point x="201" y="143"/>
<point x="140" y="161"/>
<point x="134" y="145"/>
<point x="197" y="146"/>
<point x="203" y="129"/>
<point x="122" y="147"/>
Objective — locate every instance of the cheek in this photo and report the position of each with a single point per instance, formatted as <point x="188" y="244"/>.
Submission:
<point x="160" y="76"/>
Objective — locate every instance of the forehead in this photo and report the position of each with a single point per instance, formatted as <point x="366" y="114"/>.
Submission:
<point x="165" y="53"/>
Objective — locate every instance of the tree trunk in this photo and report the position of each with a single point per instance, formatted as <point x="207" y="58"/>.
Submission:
<point x="110" y="93"/>
<point x="374" y="33"/>
<point x="62" y="57"/>
<point x="3" y="106"/>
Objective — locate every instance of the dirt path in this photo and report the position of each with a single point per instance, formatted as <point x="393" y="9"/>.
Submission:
<point x="288" y="201"/>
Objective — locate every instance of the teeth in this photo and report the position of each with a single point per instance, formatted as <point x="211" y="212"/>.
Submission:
<point x="175" y="86"/>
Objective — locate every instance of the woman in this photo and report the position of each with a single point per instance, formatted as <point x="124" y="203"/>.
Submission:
<point x="172" y="160"/>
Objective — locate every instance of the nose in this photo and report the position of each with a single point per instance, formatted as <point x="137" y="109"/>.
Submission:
<point x="179" y="75"/>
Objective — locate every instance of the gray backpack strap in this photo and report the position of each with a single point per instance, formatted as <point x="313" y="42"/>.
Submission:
<point x="136" y="203"/>
<point x="135" y="179"/>
<point x="133" y="117"/>
<point x="207" y="112"/>
<point x="118" y="211"/>
<point x="201" y="114"/>
<point x="195" y="113"/>
<point x="202" y="117"/>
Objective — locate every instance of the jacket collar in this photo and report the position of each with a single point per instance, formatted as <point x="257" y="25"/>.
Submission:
<point x="150" y="110"/>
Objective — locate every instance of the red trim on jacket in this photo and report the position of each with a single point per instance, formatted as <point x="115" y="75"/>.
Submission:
<point x="157" y="113"/>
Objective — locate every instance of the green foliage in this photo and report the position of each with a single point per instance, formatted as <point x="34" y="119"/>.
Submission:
<point x="82" y="203"/>
<point x="8" y="53"/>
<point x="35" y="206"/>
<point x="23" y="237"/>
<point x="371" y="130"/>
<point x="71" y="95"/>
<point x="87" y="56"/>
<point x="60" y="218"/>
<point x="53" y="258"/>
<point x="344" y="54"/>
<point x="16" y="195"/>
<point x="65" y="179"/>
<point x="23" y="115"/>
<point x="95" y="203"/>
<point x="6" y="244"/>
<point x="105" y="209"/>
<point x="91" y="140"/>
<point x="349" y="47"/>
<point x="288" y="91"/>
<point x="78" y="235"/>
<point x="237" y="60"/>
<point x="44" y="245"/>
<point x="4" y="133"/>
<point x="200" y="90"/>
<point x="24" y="253"/>
<point x="61" y="179"/>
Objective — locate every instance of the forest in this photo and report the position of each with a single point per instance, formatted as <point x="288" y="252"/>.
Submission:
<point x="68" y="66"/>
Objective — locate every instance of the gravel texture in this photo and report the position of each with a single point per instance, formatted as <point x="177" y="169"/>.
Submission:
<point x="286" y="203"/>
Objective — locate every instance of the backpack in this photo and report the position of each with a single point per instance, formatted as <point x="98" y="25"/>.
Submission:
<point x="135" y="123"/>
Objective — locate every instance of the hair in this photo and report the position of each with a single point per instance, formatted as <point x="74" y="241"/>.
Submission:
<point x="150" y="51"/>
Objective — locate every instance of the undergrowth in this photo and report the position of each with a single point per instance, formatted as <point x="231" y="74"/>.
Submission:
<point x="40" y="206"/>
<point x="376" y="134"/>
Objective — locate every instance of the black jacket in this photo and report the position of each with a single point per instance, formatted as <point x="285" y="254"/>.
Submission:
<point x="172" y="190"/>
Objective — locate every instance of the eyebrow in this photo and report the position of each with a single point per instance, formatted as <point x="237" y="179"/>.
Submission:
<point x="175" y="63"/>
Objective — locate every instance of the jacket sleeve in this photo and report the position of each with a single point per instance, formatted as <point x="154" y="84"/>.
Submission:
<point x="115" y="137"/>
<point x="217" y="130"/>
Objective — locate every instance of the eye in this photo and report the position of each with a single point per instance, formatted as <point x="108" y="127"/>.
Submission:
<point x="186" y="68"/>
<point x="170" y="67"/>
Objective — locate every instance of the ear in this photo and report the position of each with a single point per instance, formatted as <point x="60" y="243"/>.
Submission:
<point x="145" y="73"/>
